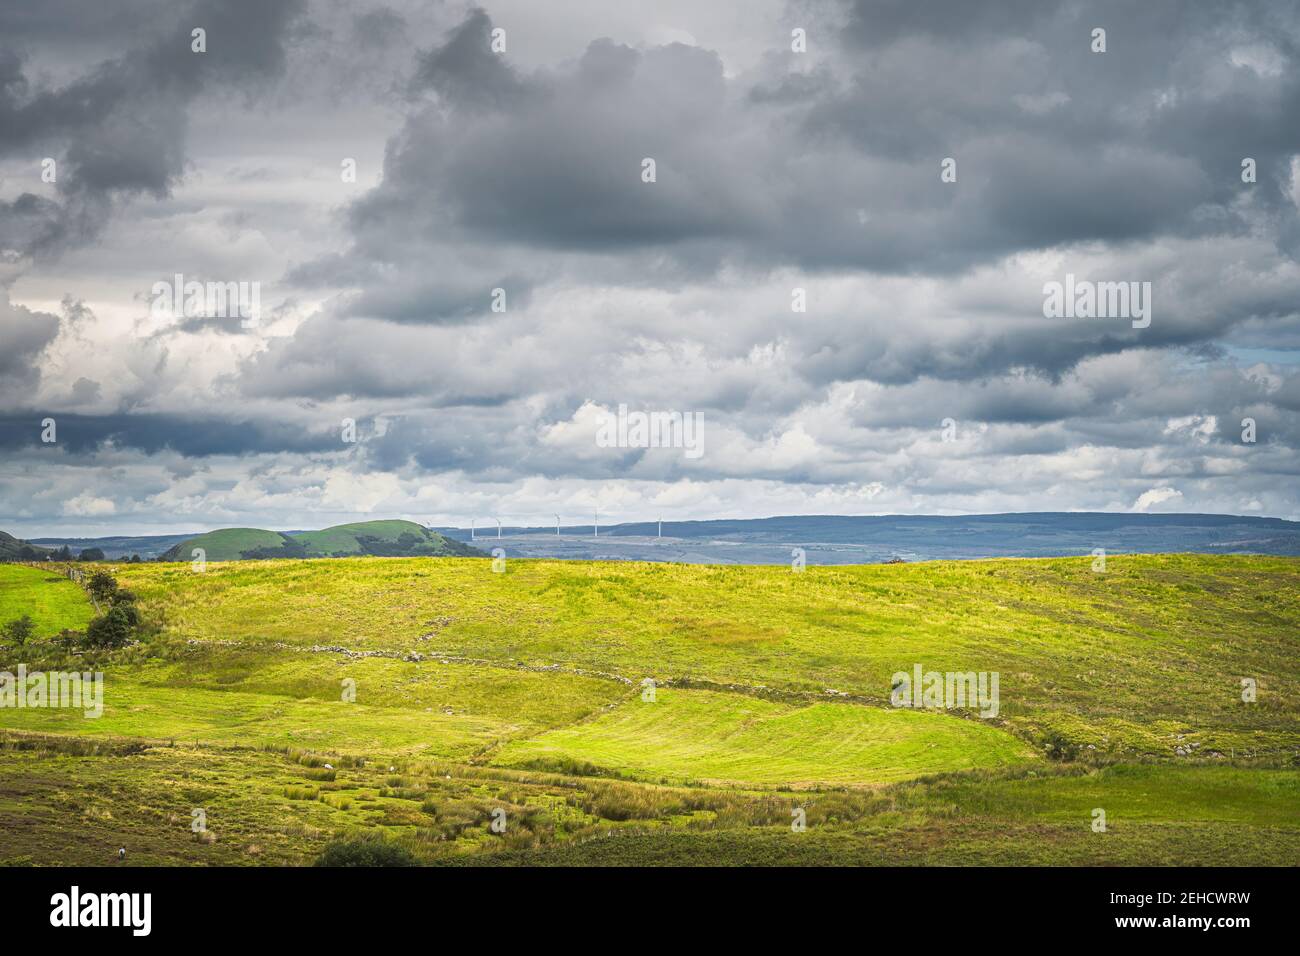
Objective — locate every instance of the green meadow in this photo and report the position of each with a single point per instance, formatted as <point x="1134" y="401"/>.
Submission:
<point x="629" y="713"/>
<point x="51" y="600"/>
<point x="732" y="738"/>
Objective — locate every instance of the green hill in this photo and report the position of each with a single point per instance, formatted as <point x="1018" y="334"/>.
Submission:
<point x="233" y="544"/>
<point x="13" y="549"/>
<point x="384" y="538"/>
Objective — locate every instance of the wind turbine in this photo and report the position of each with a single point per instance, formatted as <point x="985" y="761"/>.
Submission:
<point x="557" y="526"/>
<point x="661" y="526"/>
<point x="471" y="529"/>
<point x="498" y="521"/>
<point x="596" y="526"/>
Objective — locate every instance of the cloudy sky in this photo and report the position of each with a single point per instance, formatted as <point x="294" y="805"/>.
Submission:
<point x="775" y="169"/>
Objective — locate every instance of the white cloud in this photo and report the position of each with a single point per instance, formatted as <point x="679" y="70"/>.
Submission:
<point x="1155" y="496"/>
<point x="87" y="505"/>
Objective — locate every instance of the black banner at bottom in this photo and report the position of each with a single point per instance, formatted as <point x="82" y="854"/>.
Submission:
<point x="233" y="905"/>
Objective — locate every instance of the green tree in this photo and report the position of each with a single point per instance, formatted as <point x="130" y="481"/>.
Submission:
<point x="19" y="632"/>
<point x="115" y="628"/>
<point x="102" y="586"/>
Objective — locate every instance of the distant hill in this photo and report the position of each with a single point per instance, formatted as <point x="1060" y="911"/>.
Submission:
<point x="383" y="538"/>
<point x="12" y="549"/>
<point x="233" y="544"/>
<point x="380" y="538"/>
<point x="117" y="547"/>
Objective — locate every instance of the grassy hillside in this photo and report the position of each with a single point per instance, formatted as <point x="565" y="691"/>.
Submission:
<point x="13" y="549"/>
<point x="687" y="735"/>
<point x="381" y="538"/>
<point x="51" y="600"/>
<point x="384" y="538"/>
<point x="522" y="691"/>
<point x="1126" y="661"/>
<point x="229" y="544"/>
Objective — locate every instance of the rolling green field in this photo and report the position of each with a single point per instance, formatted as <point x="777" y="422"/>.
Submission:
<point x="48" y="598"/>
<point x="439" y="692"/>
<point x="732" y="738"/>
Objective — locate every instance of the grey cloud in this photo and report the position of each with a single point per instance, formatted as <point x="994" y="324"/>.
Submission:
<point x="122" y="124"/>
<point x="820" y="172"/>
<point x="847" y="175"/>
<point x="465" y="73"/>
<point x="152" y="433"/>
<point x="24" y="334"/>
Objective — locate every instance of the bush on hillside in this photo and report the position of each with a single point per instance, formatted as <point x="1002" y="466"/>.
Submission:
<point x="115" y="628"/>
<point x="18" y="632"/>
<point x="365" y="851"/>
<point x="102" y="586"/>
<point x="1060" y="747"/>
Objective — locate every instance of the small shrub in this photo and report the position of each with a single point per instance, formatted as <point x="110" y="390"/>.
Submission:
<point x="101" y="585"/>
<point x="365" y="851"/>
<point x="1060" y="747"/>
<point x="18" y="632"/>
<point x="115" y="628"/>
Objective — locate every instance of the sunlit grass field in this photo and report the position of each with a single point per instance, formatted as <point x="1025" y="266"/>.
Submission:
<point x="732" y="738"/>
<point x="1127" y="659"/>
<point x="523" y="691"/>
<point x="48" y="598"/>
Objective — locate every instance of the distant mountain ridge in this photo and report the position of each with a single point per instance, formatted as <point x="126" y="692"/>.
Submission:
<point x="119" y="546"/>
<point x="863" y="539"/>
<point x="379" y="538"/>
<point x="826" y="539"/>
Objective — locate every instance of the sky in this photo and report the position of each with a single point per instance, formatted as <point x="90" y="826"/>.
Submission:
<point x="835" y="267"/>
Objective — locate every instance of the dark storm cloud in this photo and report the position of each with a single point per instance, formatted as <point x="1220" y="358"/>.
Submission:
<point x="1149" y="136"/>
<point x="120" y="127"/>
<point x="1054" y="144"/>
<point x="380" y="28"/>
<point x="30" y="222"/>
<point x="561" y="166"/>
<point x="465" y="72"/>
<point x="151" y="433"/>
<point x="24" y="334"/>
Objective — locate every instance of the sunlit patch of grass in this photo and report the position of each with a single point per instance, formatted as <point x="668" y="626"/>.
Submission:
<point x="48" y="598"/>
<point x="714" y="737"/>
